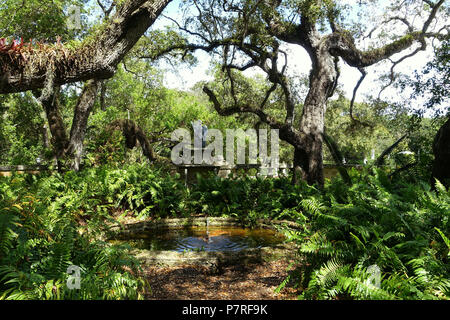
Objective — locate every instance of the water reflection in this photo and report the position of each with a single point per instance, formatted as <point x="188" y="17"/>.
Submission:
<point x="207" y="238"/>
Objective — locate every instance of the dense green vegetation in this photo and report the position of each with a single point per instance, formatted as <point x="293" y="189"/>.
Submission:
<point x="41" y="237"/>
<point x="390" y="213"/>
<point x="51" y="221"/>
<point x="399" y="227"/>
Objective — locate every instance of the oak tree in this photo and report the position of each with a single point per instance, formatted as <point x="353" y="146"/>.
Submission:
<point x="43" y="67"/>
<point x="251" y="34"/>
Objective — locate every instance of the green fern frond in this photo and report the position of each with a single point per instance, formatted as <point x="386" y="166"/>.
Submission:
<point x="313" y="206"/>
<point x="7" y="235"/>
<point x="446" y="240"/>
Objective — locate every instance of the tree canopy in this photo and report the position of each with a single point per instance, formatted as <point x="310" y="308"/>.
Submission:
<point x="247" y="34"/>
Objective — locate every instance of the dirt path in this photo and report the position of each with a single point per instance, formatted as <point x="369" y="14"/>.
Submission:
<point x="238" y="282"/>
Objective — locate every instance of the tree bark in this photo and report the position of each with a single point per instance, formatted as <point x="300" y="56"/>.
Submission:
<point x="380" y="160"/>
<point x="59" y="138"/>
<point x="102" y="95"/>
<point x="337" y="157"/>
<point x="300" y="165"/>
<point x="71" y="146"/>
<point x="81" y="115"/>
<point x="441" y="150"/>
<point x="134" y="134"/>
<point x="95" y="59"/>
<point x="45" y="140"/>
<point x="322" y="79"/>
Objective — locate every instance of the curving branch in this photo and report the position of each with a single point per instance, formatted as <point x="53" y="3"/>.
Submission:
<point x="355" y="90"/>
<point x="106" y="11"/>
<point x="134" y="134"/>
<point x="380" y="159"/>
<point x="395" y="63"/>
<point x="434" y="9"/>
<point x="286" y="132"/>
<point x="228" y="111"/>
<point x="396" y="18"/>
<point x="337" y="157"/>
<point x="336" y="80"/>
<point x="343" y="44"/>
<point x="80" y="119"/>
<point x="95" y="59"/>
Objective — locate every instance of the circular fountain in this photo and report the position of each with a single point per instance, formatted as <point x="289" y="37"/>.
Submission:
<point x="203" y="241"/>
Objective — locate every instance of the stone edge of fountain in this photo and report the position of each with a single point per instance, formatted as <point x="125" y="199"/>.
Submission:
<point x="213" y="260"/>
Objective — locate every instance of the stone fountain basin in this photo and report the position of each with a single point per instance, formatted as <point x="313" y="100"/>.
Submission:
<point x="212" y="259"/>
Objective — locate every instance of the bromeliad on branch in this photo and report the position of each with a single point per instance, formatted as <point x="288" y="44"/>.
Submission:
<point x="15" y="48"/>
<point x="92" y="59"/>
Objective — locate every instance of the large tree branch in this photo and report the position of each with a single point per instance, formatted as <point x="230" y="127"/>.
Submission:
<point x="95" y="59"/>
<point x="352" y="102"/>
<point x="50" y="103"/>
<point x="337" y="157"/>
<point x="441" y="151"/>
<point x="286" y="131"/>
<point x="380" y="159"/>
<point x="342" y="43"/>
<point x="434" y="9"/>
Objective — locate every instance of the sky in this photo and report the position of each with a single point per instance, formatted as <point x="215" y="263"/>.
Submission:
<point x="298" y="64"/>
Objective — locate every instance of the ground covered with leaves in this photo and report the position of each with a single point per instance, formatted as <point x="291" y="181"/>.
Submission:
<point x="236" y="282"/>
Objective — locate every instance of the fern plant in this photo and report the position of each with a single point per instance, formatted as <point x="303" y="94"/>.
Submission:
<point x="39" y="239"/>
<point x="399" y="227"/>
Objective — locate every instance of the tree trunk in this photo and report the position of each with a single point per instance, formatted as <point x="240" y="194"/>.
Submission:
<point x="337" y="157"/>
<point x="45" y="140"/>
<point x="59" y="138"/>
<point x="102" y="95"/>
<point x="312" y="123"/>
<point x="134" y="134"/>
<point x="380" y="160"/>
<point x="441" y="150"/>
<point x="81" y="115"/>
<point x="300" y="165"/>
<point x="62" y="145"/>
